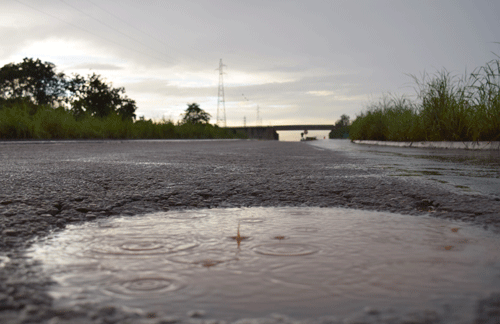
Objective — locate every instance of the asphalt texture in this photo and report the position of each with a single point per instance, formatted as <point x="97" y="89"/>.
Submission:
<point x="46" y="185"/>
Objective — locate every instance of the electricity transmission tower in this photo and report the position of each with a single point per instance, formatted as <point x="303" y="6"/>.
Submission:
<point x="258" y="120"/>
<point x="220" y="98"/>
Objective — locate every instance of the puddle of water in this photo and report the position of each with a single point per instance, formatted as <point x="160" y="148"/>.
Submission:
<point x="303" y="262"/>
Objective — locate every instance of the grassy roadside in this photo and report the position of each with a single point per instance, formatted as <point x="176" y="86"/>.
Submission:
<point x="448" y="108"/>
<point x="24" y="120"/>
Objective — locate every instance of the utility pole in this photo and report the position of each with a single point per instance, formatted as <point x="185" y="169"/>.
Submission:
<point x="244" y="121"/>
<point x="259" y="121"/>
<point x="220" y="97"/>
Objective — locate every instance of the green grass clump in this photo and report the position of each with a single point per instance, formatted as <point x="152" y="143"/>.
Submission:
<point x="447" y="108"/>
<point x="486" y="100"/>
<point x="24" y="120"/>
<point x="16" y="122"/>
<point x="444" y="110"/>
<point x="392" y="118"/>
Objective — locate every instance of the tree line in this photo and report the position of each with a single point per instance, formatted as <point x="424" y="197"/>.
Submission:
<point x="36" y="102"/>
<point x="38" y="83"/>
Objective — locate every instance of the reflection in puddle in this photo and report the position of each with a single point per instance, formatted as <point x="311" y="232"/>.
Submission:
<point x="303" y="262"/>
<point x="238" y="238"/>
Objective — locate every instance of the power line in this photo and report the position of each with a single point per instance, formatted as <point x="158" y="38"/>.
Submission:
<point x="121" y="19"/>
<point x="258" y="120"/>
<point x="144" y="33"/>
<point x="201" y="60"/>
<point x="91" y="33"/>
<point x="172" y="59"/>
<point x="221" y="111"/>
<point x="114" y="29"/>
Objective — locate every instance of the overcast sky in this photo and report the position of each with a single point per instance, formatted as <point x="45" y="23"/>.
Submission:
<point x="298" y="61"/>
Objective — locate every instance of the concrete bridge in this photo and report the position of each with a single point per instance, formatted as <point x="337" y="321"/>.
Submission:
<point x="270" y="132"/>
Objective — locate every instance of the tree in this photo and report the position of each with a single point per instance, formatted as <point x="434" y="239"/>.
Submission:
<point x="195" y="115"/>
<point x="343" y="121"/>
<point x="34" y="80"/>
<point x="97" y="98"/>
<point x="127" y="109"/>
<point x="342" y="128"/>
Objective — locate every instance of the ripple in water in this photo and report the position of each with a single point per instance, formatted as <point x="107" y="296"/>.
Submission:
<point x="147" y="284"/>
<point x="292" y="259"/>
<point x="141" y="286"/>
<point x="285" y="249"/>
<point x="205" y="258"/>
<point x="306" y="229"/>
<point x="139" y="247"/>
<point x="251" y="220"/>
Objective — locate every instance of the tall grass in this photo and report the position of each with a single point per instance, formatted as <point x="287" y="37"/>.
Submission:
<point x="23" y="120"/>
<point x="485" y="97"/>
<point x="447" y="108"/>
<point x="392" y="118"/>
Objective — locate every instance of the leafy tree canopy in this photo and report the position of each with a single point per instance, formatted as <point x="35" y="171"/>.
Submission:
<point x="342" y="127"/>
<point x="97" y="98"/>
<point x="32" y="79"/>
<point x="195" y="115"/>
<point x="37" y="82"/>
<point x="343" y="121"/>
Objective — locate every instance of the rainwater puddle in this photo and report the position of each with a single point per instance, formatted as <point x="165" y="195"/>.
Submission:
<point x="302" y="262"/>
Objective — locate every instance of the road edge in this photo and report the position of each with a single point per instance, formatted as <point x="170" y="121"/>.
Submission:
<point x="494" y="145"/>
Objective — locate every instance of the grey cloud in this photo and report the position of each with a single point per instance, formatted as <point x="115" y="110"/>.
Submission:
<point x="96" y="66"/>
<point x="353" y="49"/>
<point x="163" y="88"/>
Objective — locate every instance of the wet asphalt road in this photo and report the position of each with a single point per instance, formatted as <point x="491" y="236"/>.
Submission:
<point x="45" y="186"/>
<point x="474" y="172"/>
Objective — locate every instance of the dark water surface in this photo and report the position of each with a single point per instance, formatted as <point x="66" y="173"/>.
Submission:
<point x="251" y="262"/>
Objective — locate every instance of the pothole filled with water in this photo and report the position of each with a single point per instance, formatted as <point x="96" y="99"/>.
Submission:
<point x="302" y="262"/>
